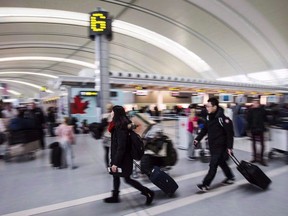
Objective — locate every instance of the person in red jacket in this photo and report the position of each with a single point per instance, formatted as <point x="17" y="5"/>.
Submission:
<point x="192" y="128"/>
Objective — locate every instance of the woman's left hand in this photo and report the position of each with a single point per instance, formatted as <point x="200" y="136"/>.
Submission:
<point x="114" y="168"/>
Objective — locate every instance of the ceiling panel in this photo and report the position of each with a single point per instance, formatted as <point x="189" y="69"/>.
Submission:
<point x="224" y="34"/>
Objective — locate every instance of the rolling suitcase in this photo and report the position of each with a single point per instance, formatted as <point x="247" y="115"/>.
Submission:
<point x="252" y="173"/>
<point x="161" y="179"/>
<point x="56" y="155"/>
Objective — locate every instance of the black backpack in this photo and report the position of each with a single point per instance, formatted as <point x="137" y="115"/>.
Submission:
<point x="137" y="145"/>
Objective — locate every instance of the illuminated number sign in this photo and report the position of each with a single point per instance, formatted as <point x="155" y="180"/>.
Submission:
<point x="99" y="23"/>
<point x="88" y="93"/>
<point x="43" y="89"/>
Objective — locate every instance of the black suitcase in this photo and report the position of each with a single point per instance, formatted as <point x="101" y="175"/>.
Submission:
<point x="56" y="155"/>
<point x="161" y="179"/>
<point x="252" y="173"/>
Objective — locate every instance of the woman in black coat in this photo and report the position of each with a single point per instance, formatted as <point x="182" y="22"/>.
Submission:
<point x="121" y="156"/>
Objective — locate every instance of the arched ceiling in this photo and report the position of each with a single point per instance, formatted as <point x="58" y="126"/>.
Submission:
<point x="243" y="40"/>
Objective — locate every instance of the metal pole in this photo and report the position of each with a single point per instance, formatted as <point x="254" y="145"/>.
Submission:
<point x="102" y="73"/>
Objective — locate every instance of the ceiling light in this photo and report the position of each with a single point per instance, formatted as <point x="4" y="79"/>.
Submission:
<point x="31" y="73"/>
<point x="81" y="19"/>
<point x="25" y="83"/>
<point x="45" y="58"/>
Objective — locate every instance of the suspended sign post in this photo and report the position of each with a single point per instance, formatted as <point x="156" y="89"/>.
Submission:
<point x="100" y="31"/>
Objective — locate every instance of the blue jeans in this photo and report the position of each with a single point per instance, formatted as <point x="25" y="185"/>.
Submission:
<point x="191" y="147"/>
<point x="68" y="154"/>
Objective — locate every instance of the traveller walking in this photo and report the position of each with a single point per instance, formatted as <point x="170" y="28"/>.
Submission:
<point x="220" y="139"/>
<point x="256" y="118"/>
<point x="121" y="158"/>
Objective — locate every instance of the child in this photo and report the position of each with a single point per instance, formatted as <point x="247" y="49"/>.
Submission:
<point x="66" y="138"/>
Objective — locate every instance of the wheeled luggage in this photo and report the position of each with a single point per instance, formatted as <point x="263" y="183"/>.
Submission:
<point x="56" y="155"/>
<point x="161" y="179"/>
<point x="252" y="173"/>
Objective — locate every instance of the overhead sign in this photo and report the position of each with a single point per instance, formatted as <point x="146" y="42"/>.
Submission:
<point x="43" y="89"/>
<point x="88" y="93"/>
<point x="100" y="23"/>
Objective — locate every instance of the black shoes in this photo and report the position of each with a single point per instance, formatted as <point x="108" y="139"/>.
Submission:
<point x="202" y="187"/>
<point x="228" y="181"/>
<point x="149" y="197"/>
<point x="114" y="198"/>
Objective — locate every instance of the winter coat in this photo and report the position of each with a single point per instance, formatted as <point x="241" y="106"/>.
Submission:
<point x="121" y="150"/>
<point x="220" y="131"/>
<point x="256" y="119"/>
<point x="20" y="123"/>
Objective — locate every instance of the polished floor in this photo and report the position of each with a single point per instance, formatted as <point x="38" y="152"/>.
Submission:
<point x="34" y="188"/>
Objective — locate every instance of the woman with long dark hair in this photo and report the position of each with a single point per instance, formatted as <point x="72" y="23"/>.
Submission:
<point x="121" y="156"/>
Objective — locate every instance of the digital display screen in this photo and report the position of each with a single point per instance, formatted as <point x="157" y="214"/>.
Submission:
<point x="88" y="93"/>
<point x="197" y="99"/>
<point x="225" y="98"/>
<point x="99" y="23"/>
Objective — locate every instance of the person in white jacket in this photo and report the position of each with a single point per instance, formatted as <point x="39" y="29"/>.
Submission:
<point x="66" y="138"/>
<point x="107" y="135"/>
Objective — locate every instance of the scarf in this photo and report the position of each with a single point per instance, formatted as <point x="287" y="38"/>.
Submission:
<point x="111" y="126"/>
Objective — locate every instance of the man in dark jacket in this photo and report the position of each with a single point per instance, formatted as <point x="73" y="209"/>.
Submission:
<point x="38" y="116"/>
<point x="256" y="118"/>
<point x="220" y="138"/>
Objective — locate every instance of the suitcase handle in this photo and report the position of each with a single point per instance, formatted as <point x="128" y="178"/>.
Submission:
<point x="148" y="173"/>
<point x="235" y="160"/>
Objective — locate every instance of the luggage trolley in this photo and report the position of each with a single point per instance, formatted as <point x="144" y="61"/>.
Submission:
<point x="22" y="143"/>
<point x="159" y="149"/>
<point x="278" y="142"/>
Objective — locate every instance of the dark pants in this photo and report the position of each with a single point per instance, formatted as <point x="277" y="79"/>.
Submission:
<point x="128" y="180"/>
<point x="42" y="138"/>
<point x="258" y="136"/>
<point x="106" y="155"/>
<point x="51" y="128"/>
<point x="218" y="158"/>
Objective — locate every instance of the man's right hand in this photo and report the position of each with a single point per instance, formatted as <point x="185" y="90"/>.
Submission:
<point x="195" y="142"/>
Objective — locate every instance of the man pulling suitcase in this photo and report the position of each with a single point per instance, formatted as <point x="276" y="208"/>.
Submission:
<point x="220" y="139"/>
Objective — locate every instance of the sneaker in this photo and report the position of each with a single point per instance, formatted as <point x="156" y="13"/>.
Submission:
<point x="191" y="158"/>
<point x="228" y="181"/>
<point x="202" y="187"/>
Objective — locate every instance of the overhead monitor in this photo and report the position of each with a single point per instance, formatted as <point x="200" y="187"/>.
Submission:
<point x="272" y="99"/>
<point x="241" y="99"/>
<point x="197" y="99"/>
<point x="226" y="98"/>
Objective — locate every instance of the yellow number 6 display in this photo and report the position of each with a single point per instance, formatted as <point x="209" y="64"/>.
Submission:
<point x="98" y="22"/>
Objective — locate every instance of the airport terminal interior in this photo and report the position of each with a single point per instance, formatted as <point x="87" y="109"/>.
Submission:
<point x="33" y="187"/>
<point x="72" y="58"/>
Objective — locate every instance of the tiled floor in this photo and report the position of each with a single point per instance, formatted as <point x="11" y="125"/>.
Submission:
<point x="34" y="188"/>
